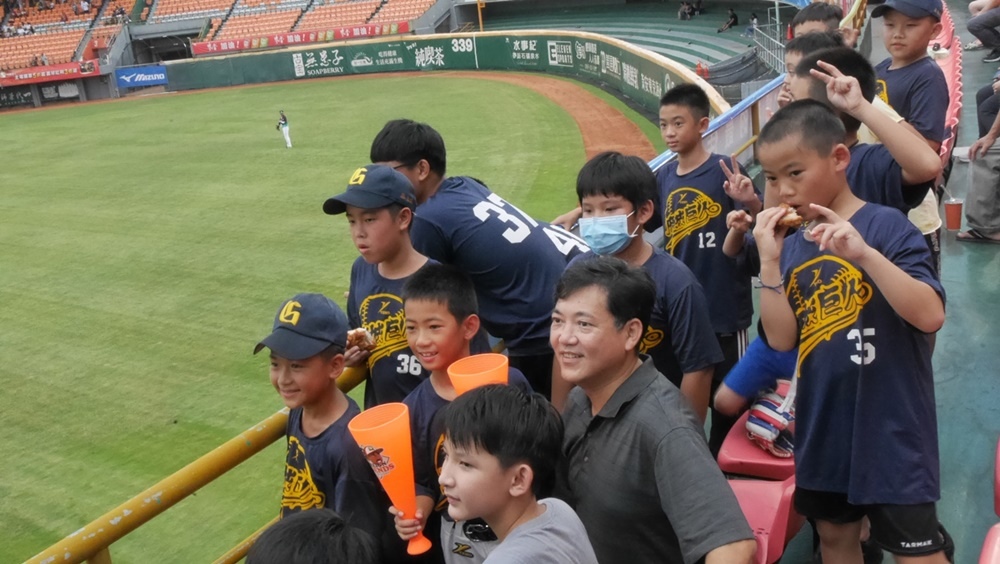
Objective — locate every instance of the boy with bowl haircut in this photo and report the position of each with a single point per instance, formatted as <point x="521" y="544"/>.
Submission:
<point x="502" y="451"/>
<point x="639" y="473"/>
<point x="324" y="467"/>
<point x="695" y="194"/>
<point x="441" y="320"/>
<point x="857" y="294"/>
<point x="909" y="80"/>
<point x="379" y="204"/>
<point x="616" y="193"/>
<point x="316" y="535"/>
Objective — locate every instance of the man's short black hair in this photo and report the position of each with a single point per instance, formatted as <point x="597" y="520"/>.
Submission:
<point x="690" y="96"/>
<point x="811" y="122"/>
<point x="315" y="535"/>
<point x="445" y="285"/>
<point x="511" y="425"/>
<point x="847" y="61"/>
<point x="819" y="12"/>
<point x="630" y="290"/>
<point x="408" y="142"/>
<point x="811" y="42"/>
<point x="615" y="174"/>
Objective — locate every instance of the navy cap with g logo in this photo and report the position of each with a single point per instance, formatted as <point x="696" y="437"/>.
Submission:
<point x="372" y="187"/>
<point x="304" y="326"/>
<point x="911" y="8"/>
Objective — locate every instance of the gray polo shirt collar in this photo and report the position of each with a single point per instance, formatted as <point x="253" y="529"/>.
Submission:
<point x="638" y="381"/>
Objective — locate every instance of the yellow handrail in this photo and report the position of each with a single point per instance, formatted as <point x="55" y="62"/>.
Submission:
<point x="239" y="551"/>
<point x="100" y="533"/>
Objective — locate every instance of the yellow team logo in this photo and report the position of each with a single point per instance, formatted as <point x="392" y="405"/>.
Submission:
<point x="650" y="340"/>
<point x="438" y="463"/>
<point x="299" y="492"/>
<point x="687" y="211"/>
<point x="290" y="313"/>
<point x="827" y="294"/>
<point x="881" y="90"/>
<point x="358" y="177"/>
<point x="382" y="315"/>
<point x="463" y="549"/>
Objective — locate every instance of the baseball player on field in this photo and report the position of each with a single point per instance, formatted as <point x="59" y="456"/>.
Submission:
<point x="283" y="127"/>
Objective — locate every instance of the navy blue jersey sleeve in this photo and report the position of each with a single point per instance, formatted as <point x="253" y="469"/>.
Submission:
<point x="929" y="105"/>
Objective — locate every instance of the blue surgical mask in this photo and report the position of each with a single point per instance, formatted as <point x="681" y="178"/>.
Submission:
<point x="606" y="235"/>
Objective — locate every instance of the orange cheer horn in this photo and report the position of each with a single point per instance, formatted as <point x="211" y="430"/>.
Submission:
<point x="383" y="433"/>
<point x="477" y="370"/>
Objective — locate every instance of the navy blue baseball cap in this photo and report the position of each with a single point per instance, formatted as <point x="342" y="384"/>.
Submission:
<point x="911" y="8"/>
<point x="372" y="187"/>
<point x="304" y="326"/>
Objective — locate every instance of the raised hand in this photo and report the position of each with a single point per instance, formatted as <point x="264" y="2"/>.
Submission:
<point x="739" y="220"/>
<point x="838" y="236"/>
<point x="844" y="92"/>
<point x="770" y="237"/>
<point x="737" y="185"/>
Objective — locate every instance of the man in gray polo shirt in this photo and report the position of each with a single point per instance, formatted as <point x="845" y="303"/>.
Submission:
<point x="639" y="473"/>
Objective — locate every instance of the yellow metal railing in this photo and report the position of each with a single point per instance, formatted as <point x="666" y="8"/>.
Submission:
<point x="92" y="541"/>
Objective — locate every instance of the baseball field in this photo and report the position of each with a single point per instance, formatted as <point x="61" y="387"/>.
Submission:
<point x="146" y="244"/>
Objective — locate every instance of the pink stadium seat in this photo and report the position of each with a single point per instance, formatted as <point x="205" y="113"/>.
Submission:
<point x="739" y="455"/>
<point x="991" y="546"/>
<point x="768" y="508"/>
<point x="996" y="482"/>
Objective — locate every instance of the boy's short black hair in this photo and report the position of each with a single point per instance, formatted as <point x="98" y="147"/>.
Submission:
<point x="446" y="285"/>
<point x="308" y="537"/>
<point x="847" y="61"/>
<point x="511" y="425"/>
<point x="690" y="96"/>
<point x="819" y="12"/>
<point x="408" y="142"/>
<point x="812" y="122"/>
<point x="615" y="174"/>
<point x="630" y="290"/>
<point x="815" y="41"/>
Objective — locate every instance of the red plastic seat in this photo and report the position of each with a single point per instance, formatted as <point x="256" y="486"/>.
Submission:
<point x="767" y="505"/>
<point x="739" y="455"/>
<point x="996" y="482"/>
<point x="991" y="546"/>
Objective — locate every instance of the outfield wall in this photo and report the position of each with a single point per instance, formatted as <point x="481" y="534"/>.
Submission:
<point x="636" y="73"/>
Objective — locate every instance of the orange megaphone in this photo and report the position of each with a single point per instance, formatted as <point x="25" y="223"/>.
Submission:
<point x="477" y="370"/>
<point x="383" y="433"/>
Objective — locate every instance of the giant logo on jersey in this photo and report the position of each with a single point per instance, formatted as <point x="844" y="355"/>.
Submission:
<point x="882" y="91"/>
<point x="299" y="492"/>
<point x="827" y="294"/>
<point x="382" y="315"/>
<point x="650" y="339"/>
<point x="687" y="210"/>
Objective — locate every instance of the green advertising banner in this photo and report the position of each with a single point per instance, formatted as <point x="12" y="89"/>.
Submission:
<point x="592" y="58"/>
<point x="16" y="96"/>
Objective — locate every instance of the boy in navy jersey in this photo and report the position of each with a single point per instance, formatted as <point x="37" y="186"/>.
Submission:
<point x="324" y="466"/>
<point x="910" y="81"/>
<point x="616" y="194"/>
<point x="441" y="320"/>
<point x="379" y="204"/>
<point x="695" y="194"/>
<point x="856" y="292"/>
<point x="513" y="260"/>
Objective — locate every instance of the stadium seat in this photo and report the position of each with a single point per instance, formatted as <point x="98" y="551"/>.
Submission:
<point x="767" y="505"/>
<point x="996" y="482"/>
<point x="739" y="455"/>
<point x="991" y="546"/>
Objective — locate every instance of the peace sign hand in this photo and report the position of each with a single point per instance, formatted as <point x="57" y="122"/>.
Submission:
<point x="738" y="186"/>
<point x="844" y="92"/>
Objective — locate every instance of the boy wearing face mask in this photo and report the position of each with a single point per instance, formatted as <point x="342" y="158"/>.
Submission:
<point x="616" y="194"/>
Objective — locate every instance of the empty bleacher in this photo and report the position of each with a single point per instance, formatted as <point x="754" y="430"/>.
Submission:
<point x="261" y="17"/>
<point x="401" y="10"/>
<point x="175" y="10"/>
<point x="338" y="15"/>
<point x="57" y="46"/>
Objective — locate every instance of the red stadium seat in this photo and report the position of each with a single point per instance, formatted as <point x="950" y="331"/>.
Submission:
<point x="739" y="455"/>
<point x="767" y="505"/>
<point x="991" y="546"/>
<point x="996" y="482"/>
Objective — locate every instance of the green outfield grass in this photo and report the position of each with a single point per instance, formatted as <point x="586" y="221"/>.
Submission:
<point x="145" y="247"/>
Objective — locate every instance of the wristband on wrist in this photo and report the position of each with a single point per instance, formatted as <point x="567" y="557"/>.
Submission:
<point x="778" y="288"/>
